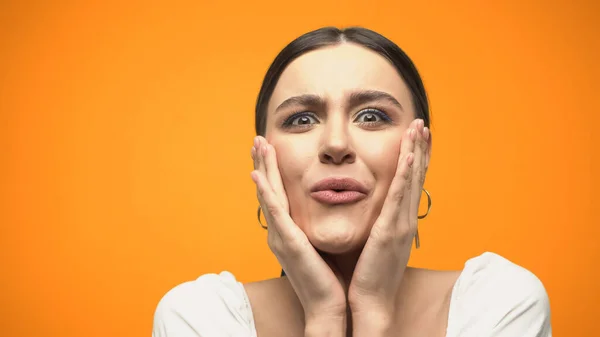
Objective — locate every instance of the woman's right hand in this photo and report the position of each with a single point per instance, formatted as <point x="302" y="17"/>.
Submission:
<point x="317" y="282"/>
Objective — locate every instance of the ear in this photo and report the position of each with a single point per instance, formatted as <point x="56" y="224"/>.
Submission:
<point x="428" y="154"/>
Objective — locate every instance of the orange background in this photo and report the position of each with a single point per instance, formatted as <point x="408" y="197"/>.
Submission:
<point x="126" y="130"/>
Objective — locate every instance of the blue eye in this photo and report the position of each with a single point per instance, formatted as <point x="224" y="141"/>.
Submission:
<point x="300" y="120"/>
<point x="371" y="116"/>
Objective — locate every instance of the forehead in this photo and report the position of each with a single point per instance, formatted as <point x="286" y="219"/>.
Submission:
<point x="336" y="71"/>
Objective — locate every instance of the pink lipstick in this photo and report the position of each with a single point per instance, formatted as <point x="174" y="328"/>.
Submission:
<point x="336" y="191"/>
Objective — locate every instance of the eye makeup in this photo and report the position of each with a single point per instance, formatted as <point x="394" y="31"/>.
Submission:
<point x="306" y="119"/>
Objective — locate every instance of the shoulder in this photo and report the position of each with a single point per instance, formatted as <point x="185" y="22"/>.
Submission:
<point x="211" y="305"/>
<point x="496" y="297"/>
<point x="274" y="317"/>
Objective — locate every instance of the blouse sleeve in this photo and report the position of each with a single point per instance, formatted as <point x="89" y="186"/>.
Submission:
<point x="494" y="297"/>
<point x="212" y="305"/>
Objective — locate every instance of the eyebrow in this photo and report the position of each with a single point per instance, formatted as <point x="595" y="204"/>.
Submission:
<point x="356" y="98"/>
<point x="302" y="100"/>
<point x="365" y="96"/>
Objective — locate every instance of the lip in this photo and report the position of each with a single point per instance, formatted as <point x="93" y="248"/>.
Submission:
<point x="338" y="190"/>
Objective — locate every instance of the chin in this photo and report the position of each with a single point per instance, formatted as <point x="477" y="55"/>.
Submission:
<point x="336" y="237"/>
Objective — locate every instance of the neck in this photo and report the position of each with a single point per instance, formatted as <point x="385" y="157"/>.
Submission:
<point x="345" y="263"/>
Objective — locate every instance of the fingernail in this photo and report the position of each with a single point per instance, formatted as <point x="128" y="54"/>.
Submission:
<point x="253" y="152"/>
<point x="412" y="134"/>
<point x="426" y="133"/>
<point x="263" y="150"/>
<point x="256" y="142"/>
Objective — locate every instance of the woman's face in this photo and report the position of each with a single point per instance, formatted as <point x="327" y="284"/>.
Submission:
<point x="338" y="112"/>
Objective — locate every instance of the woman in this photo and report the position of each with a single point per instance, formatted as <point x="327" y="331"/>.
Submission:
<point x="340" y="159"/>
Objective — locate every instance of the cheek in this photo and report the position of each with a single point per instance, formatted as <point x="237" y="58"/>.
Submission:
<point x="293" y="159"/>
<point x="381" y="156"/>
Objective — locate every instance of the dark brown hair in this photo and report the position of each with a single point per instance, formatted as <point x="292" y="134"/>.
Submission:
<point x="329" y="36"/>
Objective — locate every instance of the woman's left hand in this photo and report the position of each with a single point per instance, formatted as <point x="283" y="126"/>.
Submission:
<point x="381" y="265"/>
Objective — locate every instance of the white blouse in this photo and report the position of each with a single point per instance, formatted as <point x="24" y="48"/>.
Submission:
<point x="492" y="297"/>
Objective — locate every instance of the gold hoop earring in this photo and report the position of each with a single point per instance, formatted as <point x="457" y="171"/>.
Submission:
<point x="417" y="241"/>
<point x="428" y="205"/>
<point x="260" y="222"/>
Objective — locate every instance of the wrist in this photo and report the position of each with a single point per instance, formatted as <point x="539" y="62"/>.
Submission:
<point x="372" y="324"/>
<point x="325" y="326"/>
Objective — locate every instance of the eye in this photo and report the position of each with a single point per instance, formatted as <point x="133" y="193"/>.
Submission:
<point x="300" y="120"/>
<point x="372" y="116"/>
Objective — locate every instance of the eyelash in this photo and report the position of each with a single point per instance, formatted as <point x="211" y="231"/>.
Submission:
<point x="384" y="117"/>
<point x="288" y="123"/>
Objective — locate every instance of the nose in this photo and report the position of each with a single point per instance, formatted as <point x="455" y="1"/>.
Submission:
<point x="336" y="146"/>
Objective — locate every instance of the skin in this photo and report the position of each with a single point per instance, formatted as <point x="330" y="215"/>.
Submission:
<point x="346" y="264"/>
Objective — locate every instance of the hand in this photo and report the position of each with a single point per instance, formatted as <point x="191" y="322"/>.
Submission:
<point x="382" y="262"/>
<point x="316" y="282"/>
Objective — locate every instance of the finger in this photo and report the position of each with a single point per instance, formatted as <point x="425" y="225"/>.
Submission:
<point x="260" y="155"/>
<point x="397" y="192"/>
<point x="397" y="188"/>
<point x="261" y="189"/>
<point x="259" y="165"/>
<point x="274" y="212"/>
<point x="387" y="224"/>
<point x="418" y="172"/>
<point x="254" y="151"/>
<point x="397" y="202"/>
<point x="403" y="216"/>
<point x="426" y="135"/>
<point x="273" y="237"/>
<point x="289" y="240"/>
<point x="274" y="176"/>
<point x="408" y="140"/>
